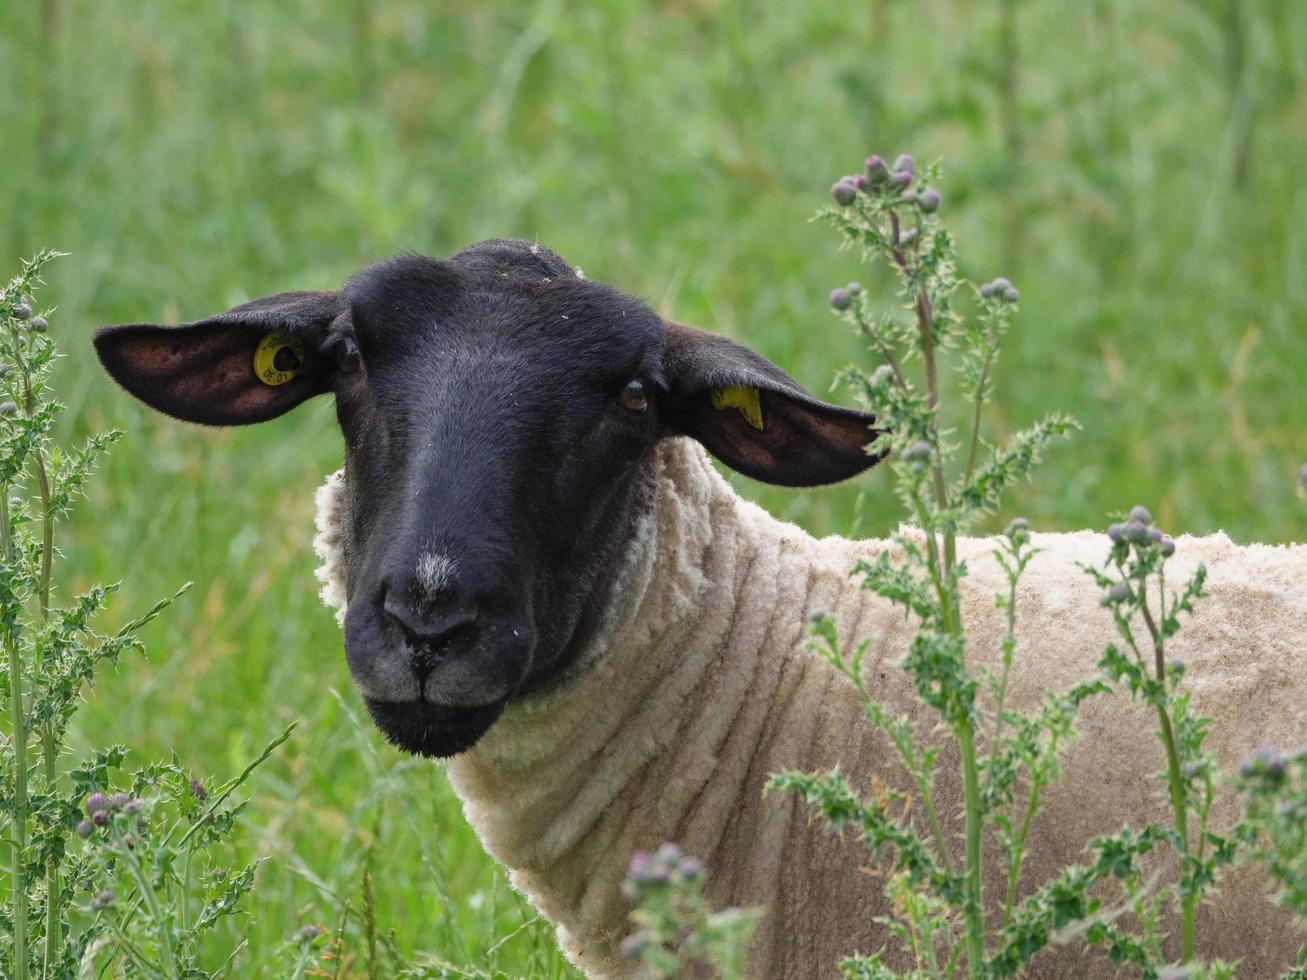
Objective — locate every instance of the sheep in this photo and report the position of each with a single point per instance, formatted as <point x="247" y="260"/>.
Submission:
<point x="542" y="578"/>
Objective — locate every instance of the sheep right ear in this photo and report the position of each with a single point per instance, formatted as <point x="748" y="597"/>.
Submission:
<point x="249" y="364"/>
<point x="755" y="418"/>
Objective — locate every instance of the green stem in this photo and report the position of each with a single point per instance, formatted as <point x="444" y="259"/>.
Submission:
<point x="49" y="745"/>
<point x="166" y="952"/>
<point x="18" y="849"/>
<point x="975" y="421"/>
<point x="1175" y="782"/>
<point x="972" y="909"/>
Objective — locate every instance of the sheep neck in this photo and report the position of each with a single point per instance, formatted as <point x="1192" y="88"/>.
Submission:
<point x="666" y="728"/>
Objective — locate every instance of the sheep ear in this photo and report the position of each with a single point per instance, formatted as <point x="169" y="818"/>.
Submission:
<point x="757" y="419"/>
<point x="249" y="364"/>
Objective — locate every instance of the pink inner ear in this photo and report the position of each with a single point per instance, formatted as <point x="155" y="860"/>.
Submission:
<point x="203" y="372"/>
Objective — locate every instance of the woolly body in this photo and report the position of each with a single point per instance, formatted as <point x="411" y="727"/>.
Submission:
<point x="700" y="686"/>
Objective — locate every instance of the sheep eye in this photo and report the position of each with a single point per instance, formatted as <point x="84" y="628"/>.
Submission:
<point x="348" y="358"/>
<point x="635" y="397"/>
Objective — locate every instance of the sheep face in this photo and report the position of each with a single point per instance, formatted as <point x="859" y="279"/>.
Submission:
<point x="497" y="410"/>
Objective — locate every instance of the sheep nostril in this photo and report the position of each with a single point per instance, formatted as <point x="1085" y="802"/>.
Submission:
<point x="429" y="636"/>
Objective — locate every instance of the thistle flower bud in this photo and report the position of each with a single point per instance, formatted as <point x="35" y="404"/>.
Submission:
<point x="1178" y="667"/>
<point x="904" y="164"/>
<point x="8" y="408"/>
<point x="669" y="855"/>
<point x="633" y="945"/>
<point x="38" y="324"/>
<point x="95" y="803"/>
<point x="1117" y="594"/>
<point x="118" y="801"/>
<point x="690" y="868"/>
<point x="132" y="806"/>
<point x="4" y="373"/>
<point x="854" y="288"/>
<point x="1265" y="761"/>
<point x="85" y="829"/>
<point x="100" y="817"/>
<point x="928" y="200"/>
<point x="1011" y="295"/>
<point x="1168" y="547"/>
<point x="882" y="376"/>
<point x="1136" y="531"/>
<point x="1116" y="532"/>
<point x="877" y="169"/>
<point x="917" y="455"/>
<point x="22" y="310"/>
<point x="1140" y="513"/>
<point x="859" y="182"/>
<point x="306" y="934"/>
<point x="1154" y="536"/>
<point x="1302" y="477"/>
<point x="995" y="287"/>
<point x="900" y="179"/>
<point x="843" y="192"/>
<point x="102" y="900"/>
<point x="840" y="298"/>
<point x="908" y="197"/>
<point x="197" y="789"/>
<point x="1019" y="528"/>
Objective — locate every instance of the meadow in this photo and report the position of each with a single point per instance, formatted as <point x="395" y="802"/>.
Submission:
<point x="1136" y="168"/>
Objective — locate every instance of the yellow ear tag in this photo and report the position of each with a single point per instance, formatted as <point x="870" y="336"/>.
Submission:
<point x="278" y="358"/>
<point x="746" y="400"/>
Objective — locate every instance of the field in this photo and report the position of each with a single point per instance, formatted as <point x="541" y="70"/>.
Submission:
<point x="1137" y="169"/>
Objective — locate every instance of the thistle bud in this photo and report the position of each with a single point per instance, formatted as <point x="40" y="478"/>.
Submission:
<point x="1168" y="547"/>
<point x="917" y="455"/>
<point x="100" y="817"/>
<point x="85" y="829"/>
<point x="1018" y="528"/>
<point x="102" y="900"/>
<point x="1154" y="536"/>
<point x="928" y="200"/>
<point x="1302" y="477"/>
<point x="1140" y="513"/>
<point x="1265" y="761"/>
<point x="1117" y="594"/>
<point x="859" y="182"/>
<point x="882" y="376"/>
<point x="908" y="197"/>
<point x="8" y="408"/>
<point x="95" y="803"/>
<point x="633" y="945"/>
<point x="669" y="855"/>
<point x="899" y="179"/>
<point x="877" y="170"/>
<point x="840" y="298"/>
<point x="904" y="164"/>
<point x="843" y="192"/>
<point x="197" y="789"/>
<point x="854" y="288"/>
<point x="690" y="868"/>
<point x="307" y="934"/>
<point x="1011" y="295"/>
<point x="1136" y="531"/>
<point x="38" y="324"/>
<point x="1116" y="532"/>
<point x="21" y="310"/>
<point x="4" y="373"/>
<point x="118" y="801"/>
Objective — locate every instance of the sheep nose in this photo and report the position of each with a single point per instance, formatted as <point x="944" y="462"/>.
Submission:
<point x="430" y="635"/>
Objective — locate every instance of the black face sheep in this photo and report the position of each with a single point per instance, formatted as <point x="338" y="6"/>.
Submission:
<point x="543" y="578"/>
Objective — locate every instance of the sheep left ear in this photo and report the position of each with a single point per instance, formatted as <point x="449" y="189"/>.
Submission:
<point x="755" y="418"/>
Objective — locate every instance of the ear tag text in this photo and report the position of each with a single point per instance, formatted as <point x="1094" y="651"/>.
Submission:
<point x="745" y="400"/>
<point x="278" y="358"/>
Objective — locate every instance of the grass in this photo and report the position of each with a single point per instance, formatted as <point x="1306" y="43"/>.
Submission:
<point x="192" y="156"/>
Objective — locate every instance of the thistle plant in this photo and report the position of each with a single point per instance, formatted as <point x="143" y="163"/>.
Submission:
<point x="106" y="868"/>
<point x="677" y="934"/>
<point x="891" y="214"/>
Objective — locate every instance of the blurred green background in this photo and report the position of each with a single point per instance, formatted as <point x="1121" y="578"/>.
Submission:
<point x="1136" y="168"/>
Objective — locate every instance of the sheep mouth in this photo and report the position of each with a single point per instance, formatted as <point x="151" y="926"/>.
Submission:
<point x="432" y="730"/>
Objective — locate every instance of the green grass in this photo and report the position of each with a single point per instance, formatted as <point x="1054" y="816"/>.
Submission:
<point x="1145" y="194"/>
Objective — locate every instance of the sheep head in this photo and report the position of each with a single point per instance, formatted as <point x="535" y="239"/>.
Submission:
<point x="497" y="411"/>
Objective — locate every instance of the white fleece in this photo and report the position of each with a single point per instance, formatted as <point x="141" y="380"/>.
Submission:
<point x="701" y="686"/>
